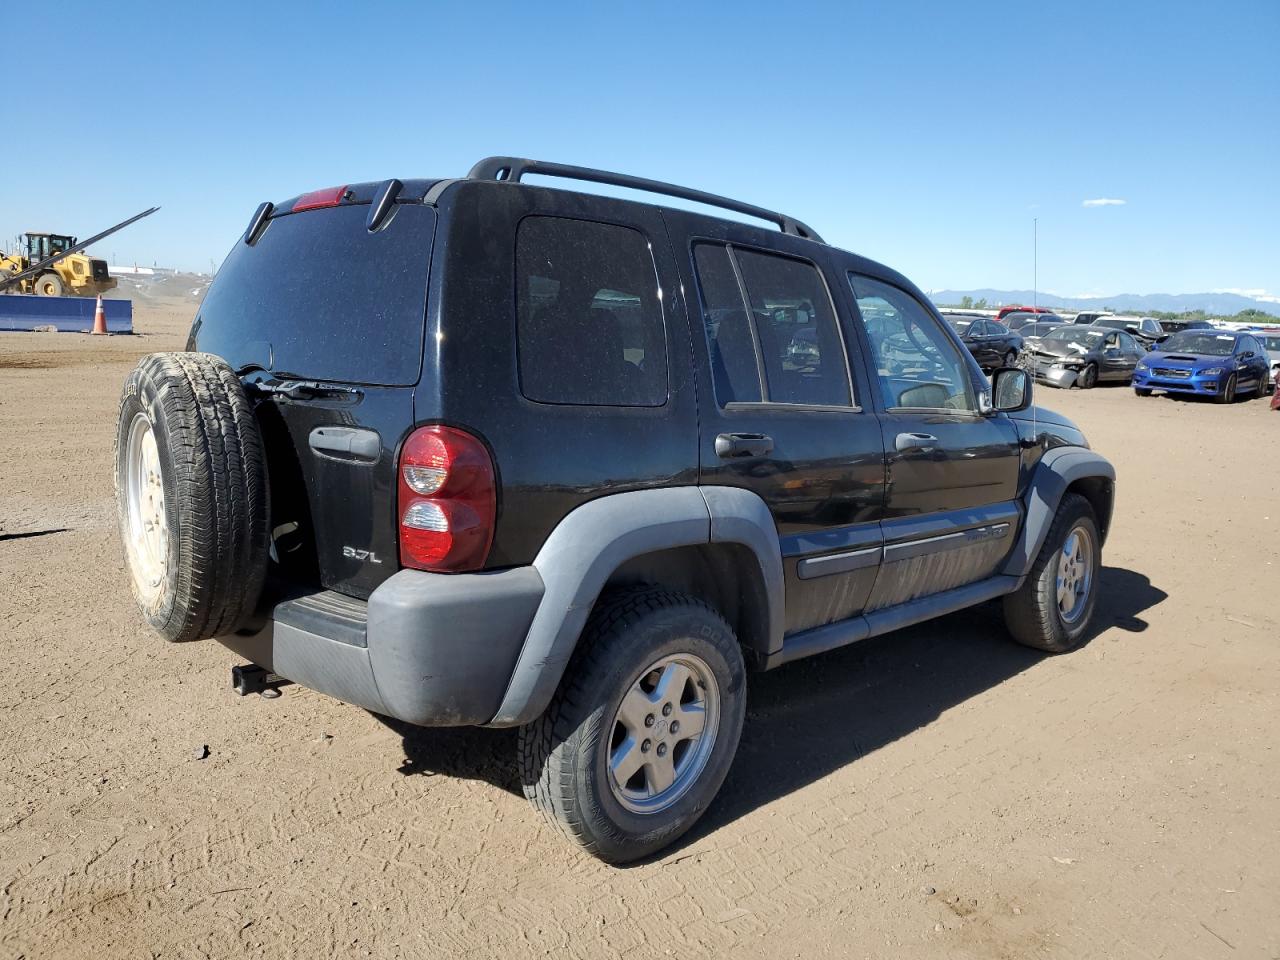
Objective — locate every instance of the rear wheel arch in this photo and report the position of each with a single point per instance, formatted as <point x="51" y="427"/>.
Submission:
<point x="626" y="538"/>
<point x="727" y="576"/>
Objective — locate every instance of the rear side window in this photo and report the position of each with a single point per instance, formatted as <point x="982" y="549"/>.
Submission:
<point x="771" y="329"/>
<point x="589" y="321"/>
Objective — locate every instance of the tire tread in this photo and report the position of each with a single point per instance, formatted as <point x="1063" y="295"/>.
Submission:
<point x="547" y="780"/>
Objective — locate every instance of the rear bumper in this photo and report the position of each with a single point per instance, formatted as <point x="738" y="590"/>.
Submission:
<point x="431" y="649"/>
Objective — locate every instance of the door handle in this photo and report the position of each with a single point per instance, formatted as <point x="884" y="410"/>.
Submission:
<point x="914" y="441"/>
<point x="731" y="446"/>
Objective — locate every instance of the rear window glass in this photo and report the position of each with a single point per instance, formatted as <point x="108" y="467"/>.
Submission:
<point x="320" y="297"/>
<point x="588" y="315"/>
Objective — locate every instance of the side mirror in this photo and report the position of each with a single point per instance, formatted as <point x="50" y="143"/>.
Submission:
<point x="1247" y="355"/>
<point x="1010" y="390"/>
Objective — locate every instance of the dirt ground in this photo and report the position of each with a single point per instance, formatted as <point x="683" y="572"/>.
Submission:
<point x="936" y="792"/>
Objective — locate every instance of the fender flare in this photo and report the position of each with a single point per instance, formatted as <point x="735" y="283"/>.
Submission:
<point x="595" y="539"/>
<point x="1057" y="470"/>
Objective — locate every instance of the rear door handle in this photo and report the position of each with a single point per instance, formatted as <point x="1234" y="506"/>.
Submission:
<point x="914" y="441"/>
<point x="731" y="446"/>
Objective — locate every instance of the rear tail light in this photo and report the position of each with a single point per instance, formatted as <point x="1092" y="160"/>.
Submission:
<point x="328" y="197"/>
<point x="447" y="500"/>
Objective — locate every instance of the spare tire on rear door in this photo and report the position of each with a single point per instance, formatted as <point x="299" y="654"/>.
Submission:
<point x="191" y="493"/>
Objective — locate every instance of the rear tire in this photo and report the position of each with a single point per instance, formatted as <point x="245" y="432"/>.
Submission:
<point x="48" y="285"/>
<point x="1052" y="609"/>
<point x="605" y="763"/>
<point x="1088" y="377"/>
<point x="191" y="495"/>
<point x="1011" y="358"/>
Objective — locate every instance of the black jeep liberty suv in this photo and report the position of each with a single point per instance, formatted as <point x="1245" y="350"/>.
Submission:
<point x="475" y="451"/>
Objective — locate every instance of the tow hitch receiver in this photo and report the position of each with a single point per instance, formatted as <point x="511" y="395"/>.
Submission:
<point x="247" y="678"/>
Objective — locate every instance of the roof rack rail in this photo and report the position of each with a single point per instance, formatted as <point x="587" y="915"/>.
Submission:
<point x="511" y="169"/>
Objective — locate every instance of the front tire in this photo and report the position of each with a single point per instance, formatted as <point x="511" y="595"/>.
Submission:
<point x="1142" y="391"/>
<point x="1228" y="394"/>
<point x="1052" y="609"/>
<point x="639" y="737"/>
<point x="1089" y="376"/>
<point x="48" y="285"/>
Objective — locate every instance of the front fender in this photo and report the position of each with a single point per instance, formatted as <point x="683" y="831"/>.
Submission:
<point x="1057" y="470"/>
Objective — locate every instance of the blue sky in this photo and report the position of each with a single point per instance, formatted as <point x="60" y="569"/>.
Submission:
<point x="925" y="135"/>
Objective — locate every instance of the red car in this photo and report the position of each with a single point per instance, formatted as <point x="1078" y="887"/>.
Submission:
<point x="1005" y="311"/>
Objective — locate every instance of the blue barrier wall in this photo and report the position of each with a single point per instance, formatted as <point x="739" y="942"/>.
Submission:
<point x="19" y="311"/>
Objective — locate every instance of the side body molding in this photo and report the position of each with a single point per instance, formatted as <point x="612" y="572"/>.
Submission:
<point x="594" y="540"/>
<point x="1056" y="471"/>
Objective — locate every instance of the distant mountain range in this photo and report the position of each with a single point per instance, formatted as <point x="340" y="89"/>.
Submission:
<point x="1223" y="304"/>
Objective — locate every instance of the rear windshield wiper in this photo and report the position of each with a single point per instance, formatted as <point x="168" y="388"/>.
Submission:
<point x="299" y="389"/>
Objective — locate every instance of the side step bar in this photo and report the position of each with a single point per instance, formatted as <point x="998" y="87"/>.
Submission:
<point x="806" y="643"/>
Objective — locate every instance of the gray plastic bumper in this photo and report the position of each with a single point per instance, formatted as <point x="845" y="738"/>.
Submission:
<point x="427" y="648"/>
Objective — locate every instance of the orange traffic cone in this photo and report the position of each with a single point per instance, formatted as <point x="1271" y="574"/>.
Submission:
<point x="99" y="319"/>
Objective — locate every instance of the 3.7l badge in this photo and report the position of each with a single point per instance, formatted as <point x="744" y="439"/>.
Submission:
<point x="355" y="554"/>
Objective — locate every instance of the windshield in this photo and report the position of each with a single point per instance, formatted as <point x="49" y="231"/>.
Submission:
<point x="320" y="297"/>
<point x="1089" y="339"/>
<point x="1270" y="343"/>
<point x="1194" y="341"/>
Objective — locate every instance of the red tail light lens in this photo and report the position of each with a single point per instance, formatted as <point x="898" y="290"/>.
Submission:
<point x="447" y="500"/>
<point x="328" y="197"/>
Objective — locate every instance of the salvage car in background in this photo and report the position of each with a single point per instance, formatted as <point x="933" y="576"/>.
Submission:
<point x="1177" y="326"/>
<point x="992" y="344"/>
<point x="1084" y="356"/>
<point x="1218" y="364"/>
<point x="1146" y="330"/>
<point x="1033" y="333"/>
<point x="1005" y="311"/>
<point x="1024" y="318"/>
<point x="1270" y="340"/>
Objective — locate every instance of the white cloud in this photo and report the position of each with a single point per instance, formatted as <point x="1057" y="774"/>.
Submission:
<point x="1105" y="202"/>
<point x="1256" y="293"/>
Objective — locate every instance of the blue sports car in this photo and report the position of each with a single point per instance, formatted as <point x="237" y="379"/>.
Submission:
<point x="1212" y="363"/>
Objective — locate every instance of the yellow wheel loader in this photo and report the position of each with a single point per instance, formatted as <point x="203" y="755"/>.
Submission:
<point x="52" y="265"/>
<point x="75" y="274"/>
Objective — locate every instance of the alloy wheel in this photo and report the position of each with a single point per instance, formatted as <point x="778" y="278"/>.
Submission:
<point x="663" y="733"/>
<point x="1075" y="574"/>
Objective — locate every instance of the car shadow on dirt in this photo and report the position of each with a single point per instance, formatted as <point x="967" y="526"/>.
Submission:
<point x="815" y="716"/>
